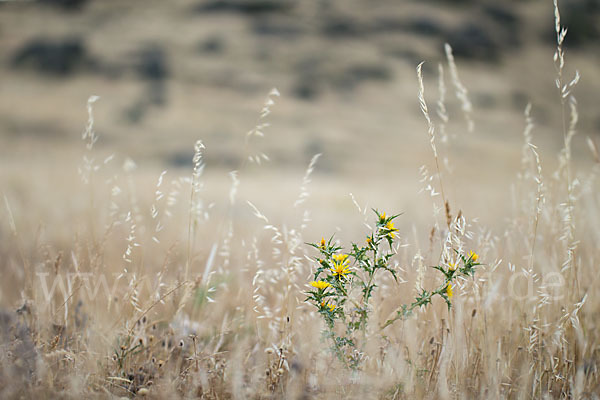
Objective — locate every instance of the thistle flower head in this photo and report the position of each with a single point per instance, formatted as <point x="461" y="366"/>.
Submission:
<point x="320" y="284"/>
<point x="390" y="227"/>
<point x="340" y="269"/>
<point x="473" y="256"/>
<point x="340" y="258"/>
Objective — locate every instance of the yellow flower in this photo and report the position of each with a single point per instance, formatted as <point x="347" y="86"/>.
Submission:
<point x="328" y="305"/>
<point x="322" y="244"/>
<point x="473" y="256"/>
<point x="382" y="217"/>
<point x="451" y="266"/>
<point x="390" y="226"/>
<point x="340" y="258"/>
<point x="449" y="291"/>
<point x="340" y="265"/>
<point x="320" y="284"/>
<point x="368" y="240"/>
<point x="340" y="269"/>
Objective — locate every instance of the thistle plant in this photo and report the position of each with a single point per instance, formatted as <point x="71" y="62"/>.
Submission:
<point x="340" y="274"/>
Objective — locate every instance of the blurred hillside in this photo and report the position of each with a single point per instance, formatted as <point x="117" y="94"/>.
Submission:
<point x="169" y="74"/>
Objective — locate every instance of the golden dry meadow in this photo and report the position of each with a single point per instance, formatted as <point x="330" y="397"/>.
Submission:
<point x="267" y="199"/>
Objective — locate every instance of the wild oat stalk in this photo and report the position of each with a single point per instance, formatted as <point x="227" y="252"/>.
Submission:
<point x="431" y="132"/>
<point x="564" y="90"/>
<point x="195" y="203"/>
<point x="461" y="91"/>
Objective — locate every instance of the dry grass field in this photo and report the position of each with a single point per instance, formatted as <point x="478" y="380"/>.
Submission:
<point x="160" y="199"/>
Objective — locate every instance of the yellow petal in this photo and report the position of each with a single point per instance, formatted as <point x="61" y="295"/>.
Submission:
<point x="449" y="291"/>
<point x="320" y="284"/>
<point x="340" y="258"/>
<point x="473" y="256"/>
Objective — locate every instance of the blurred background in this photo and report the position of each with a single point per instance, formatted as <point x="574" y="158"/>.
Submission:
<point x="169" y="73"/>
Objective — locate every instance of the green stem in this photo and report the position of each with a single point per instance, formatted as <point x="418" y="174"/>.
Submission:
<point x="401" y="314"/>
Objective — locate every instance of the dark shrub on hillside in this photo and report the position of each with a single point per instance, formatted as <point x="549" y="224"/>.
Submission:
<point x="502" y="15"/>
<point x="341" y="27"/>
<point x="278" y="29"/>
<point x="419" y="25"/>
<point x="354" y="75"/>
<point x="212" y="45"/>
<point x="53" y="57"/>
<point x="70" y="5"/>
<point x="245" y="6"/>
<point x="582" y="19"/>
<point x="152" y="64"/>
<point x="475" y="42"/>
